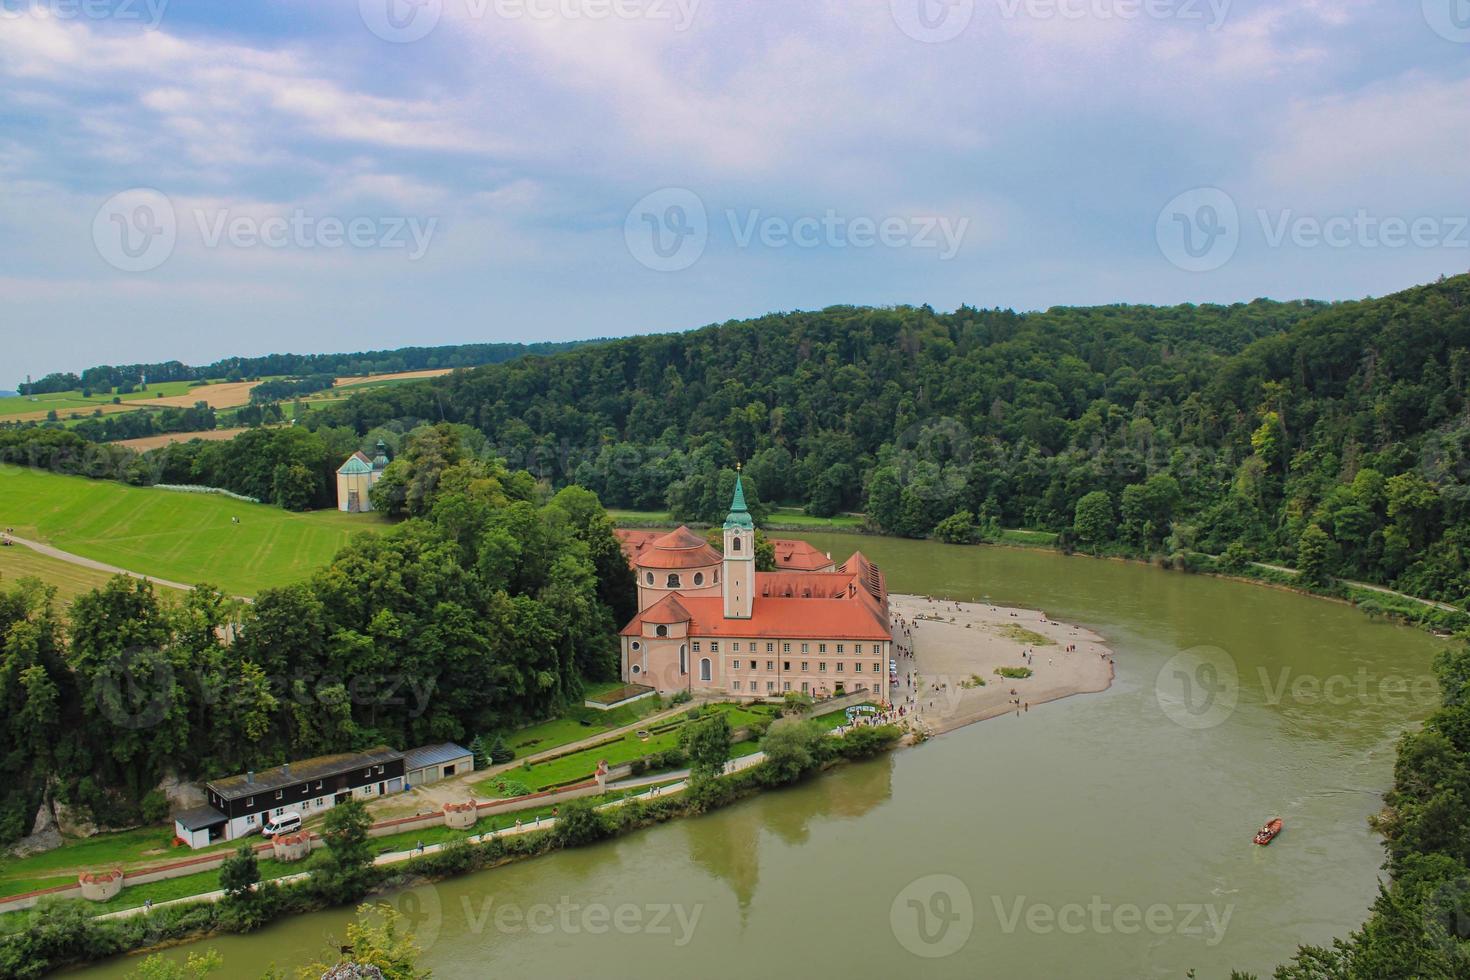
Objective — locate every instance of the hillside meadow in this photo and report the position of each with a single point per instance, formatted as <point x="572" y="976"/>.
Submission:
<point x="183" y="537"/>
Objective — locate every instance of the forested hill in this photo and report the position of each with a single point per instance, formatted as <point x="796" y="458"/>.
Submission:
<point x="239" y="368"/>
<point x="1145" y="429"/>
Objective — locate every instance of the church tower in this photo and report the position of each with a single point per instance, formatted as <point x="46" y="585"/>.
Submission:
<point x="738" y="585"/>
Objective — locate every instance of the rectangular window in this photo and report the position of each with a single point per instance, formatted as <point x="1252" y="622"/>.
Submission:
<point x="694" y="646"/>
<point x="821" y="648"/>
<point x="786" y="648"/>
<point x="839" y="648"/>
<point x="714" y="647"/>
<point x="805" y="687"/>
<point x="250" y="801"/>
<point x="280" y="794"/>
<point x="770" y="665"/>
<point x="822" y="667"/>
<point x="770" y="648"/>
<point x="737" y="685"/>
<point x="752" y="665"/>
<point x="806" y="648"/>
<point x="858" y="666"/>
<point x="785" y="685"/>
<point x="786" y="665"/>
<point x="735" y="647"/>
<point x="876" y="668"/>
<point x="250" y="820"/>
<point x="770" y="686"/>
<point x="804" y="667"/>
<point x="839" y="666"/>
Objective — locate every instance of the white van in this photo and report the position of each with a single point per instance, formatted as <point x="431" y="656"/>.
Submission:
<point x="287" y="823"/>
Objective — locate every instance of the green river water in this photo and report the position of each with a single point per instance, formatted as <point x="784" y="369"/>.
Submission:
<point x="1101" y="836"/>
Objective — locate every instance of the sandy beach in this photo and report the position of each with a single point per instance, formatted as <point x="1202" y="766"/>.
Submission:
<point x="951" y="646"/>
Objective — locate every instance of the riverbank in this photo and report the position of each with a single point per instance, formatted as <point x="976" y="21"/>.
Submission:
<point x="957" y="645"/>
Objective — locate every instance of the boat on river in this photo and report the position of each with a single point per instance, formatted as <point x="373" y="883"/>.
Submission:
<point x="1268" y="833"/>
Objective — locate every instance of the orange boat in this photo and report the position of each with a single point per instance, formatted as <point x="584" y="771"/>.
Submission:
<point x="1268" y="833"/>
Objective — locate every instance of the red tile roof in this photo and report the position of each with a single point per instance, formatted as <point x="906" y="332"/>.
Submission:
<point x="679" y="548"/>
<point x="852" y="604"/>
<point x="799" y="555"/>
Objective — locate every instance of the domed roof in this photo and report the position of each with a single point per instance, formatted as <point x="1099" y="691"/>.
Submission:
<point x="680" y="548"/>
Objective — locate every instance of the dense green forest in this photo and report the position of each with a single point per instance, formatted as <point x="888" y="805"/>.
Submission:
<point x="1266" y="427"/>
<point x="483" y="613"/>
<point x="107" y="376"/>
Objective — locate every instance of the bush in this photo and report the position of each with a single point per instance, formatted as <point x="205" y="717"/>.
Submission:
<point x="154" y="807"/>
<point x="579" y="823"/>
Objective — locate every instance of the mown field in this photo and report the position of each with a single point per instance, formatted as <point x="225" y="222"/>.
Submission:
<point x="70" y="580"/>
<point x="64" y="402"/>
<point x="182" y="537"/>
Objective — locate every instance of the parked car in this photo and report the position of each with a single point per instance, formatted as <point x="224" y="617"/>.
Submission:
<point x="287" y="823"/>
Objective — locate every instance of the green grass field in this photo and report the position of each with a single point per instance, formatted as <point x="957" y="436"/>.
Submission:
<point x="70" y="580"/>
<point x="183" y="537"/>
<point x="64" y="402"/>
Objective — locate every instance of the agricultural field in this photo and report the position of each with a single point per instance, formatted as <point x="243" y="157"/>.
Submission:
<point x="17" y="562"/>
<point x="183" y="537"/>
<point x="20" y="408"/>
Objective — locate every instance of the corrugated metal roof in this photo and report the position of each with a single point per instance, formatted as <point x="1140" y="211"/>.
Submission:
<point x="234" y="787"/>
<point x="199" y="818"/>
<point x="434" y="755"/>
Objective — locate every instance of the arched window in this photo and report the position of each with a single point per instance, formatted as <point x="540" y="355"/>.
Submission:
<point x="704" y="669"/>
<point x="735" y="543"/>
<point x="683" y="659"/>
<point x="673" y="580"/>
<point x="648" y="577"/>
<point x="660" y="631"/>
<point x="699" y="578"/>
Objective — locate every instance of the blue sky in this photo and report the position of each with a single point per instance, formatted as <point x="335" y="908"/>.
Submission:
<point x="190" y="179"/>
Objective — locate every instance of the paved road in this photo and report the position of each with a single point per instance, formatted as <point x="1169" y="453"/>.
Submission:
<point x="1371" y="588"/>
<point x="66" y="556"/>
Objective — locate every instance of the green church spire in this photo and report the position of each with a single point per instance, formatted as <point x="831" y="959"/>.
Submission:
<point x="738" y="516"/>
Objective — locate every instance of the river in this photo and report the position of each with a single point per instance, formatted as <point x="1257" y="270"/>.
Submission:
<point x="1101" y="836"/>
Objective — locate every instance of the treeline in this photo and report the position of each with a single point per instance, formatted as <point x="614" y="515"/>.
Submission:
<point x="275" y="391"/>
<point x="107" y="376"/>
<point x="1197" y="426"/>
<point x="481" y="615"/>
<point x="148" y="422"/>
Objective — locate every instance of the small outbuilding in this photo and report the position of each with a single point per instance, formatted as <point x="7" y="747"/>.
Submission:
<point x="431" y="763"/>
<point x="357" y="476"/>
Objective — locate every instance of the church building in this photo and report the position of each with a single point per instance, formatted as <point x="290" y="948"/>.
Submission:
<point x="709" y="622"/>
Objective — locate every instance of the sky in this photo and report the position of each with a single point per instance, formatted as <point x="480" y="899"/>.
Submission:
<point x="194" y="179"/>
